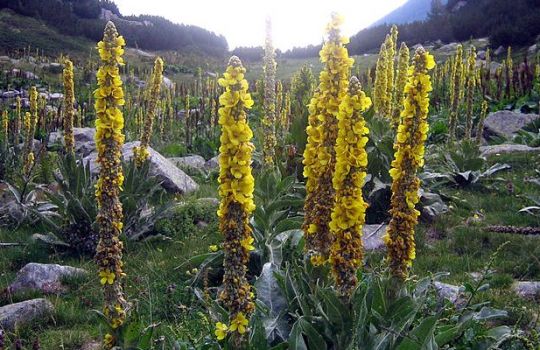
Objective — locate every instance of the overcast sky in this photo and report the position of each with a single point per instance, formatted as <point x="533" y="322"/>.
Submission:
<point x="242" y="22"/>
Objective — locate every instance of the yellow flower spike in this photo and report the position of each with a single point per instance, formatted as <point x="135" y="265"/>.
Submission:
<point x="221" y="330"/>
<point x="30" y="125"/>
<point x="320" y="154"/>
<point x="391" y="47"/>
<point x="269" y="119"/>
<point x="69" y="112"/>
<point x="141" y="153"/>
<point x="109" y="140"/>
<point x="470" y="89"/>
<point x="348" y="213"/>
<point x="380" y="96"/>
<point x="5" y="129"/>
<point x="480" y="125"/>
<point x="456" y="91"/>
<point x="236" y="185"/>
<point x="408" y="158"/>
<point x="213" y="248"/>
<point x="401" y="80"/>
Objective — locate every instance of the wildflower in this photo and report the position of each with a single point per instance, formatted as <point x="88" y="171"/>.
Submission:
<point x="239" y="323"/>
<point x="17" y="126"/>
<point x="236" y="186"/>
<point x="380" y="97"/>
<point x="455" y="92"/>
<point x="403" y="67"/>
<point x="221" y="330"/>
<point x="480" y="125"/>
<point x="471" y="85"/>
<point x="269" y="119"/>
<point x="140" y="153"/>
<point x="106" y="277"/>
<point x="391" y="46"/>
<point x="5" y="128"/>
<point x="408" y="158"/>
<point x="69" y="100"/>
<point x="348" y="213"/>
<point x="109" y="97"/>
<point x="31" y="129"/>
<point x="320" y="155"/>
<point x="213" y="248"/>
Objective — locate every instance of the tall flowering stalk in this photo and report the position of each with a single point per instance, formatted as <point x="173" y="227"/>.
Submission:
<point x="29" y="137"/>
<point x="236" y="186"/>
<point x="391" y="47"/>
<point x="480" y="125"/>
<point x="17" y="125"/>
<point x="109" y="98"/>
<point x="140" y="153"/>
<point x="509" y="72"/>
<point x="320" y="155"/>
<point x="348" y="213"/>
<point x="380" y="97"/>
<point x="5" y="129"/>
<point x="269" y="119"/>
<point x="69" y="112"/>
<point x="408" y="158"/>
<point x="455" y="92"/>
<point x="401" y="80"/>
<point x="470" y="89"/>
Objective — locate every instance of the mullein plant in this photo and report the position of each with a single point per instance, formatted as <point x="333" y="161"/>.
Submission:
<point x="28" y="153"/>
<point x="401" y="80"/>
<point x="380" y="98"/>
<point x="391" y="47"/>
<point x="69" y="112"/>
<point x="18" y="123"/>
<point x="5" y="129"/>
<point x="319" y="155"/>
<point x="109" y="98"/>
<point x="408" y="158"/>
<point x="480" y="124"/>
<point x="348" y="213"/>
<point x="269" y="119"/>
<point x="470" y="90"/>
<point x="455" y="92"/>
<point x="236" y="185"/>
<point x="509" y="68"/>
<point x="140" y="153"/>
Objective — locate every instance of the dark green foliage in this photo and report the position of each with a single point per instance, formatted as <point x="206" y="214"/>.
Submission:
<point x="188" y="219"/>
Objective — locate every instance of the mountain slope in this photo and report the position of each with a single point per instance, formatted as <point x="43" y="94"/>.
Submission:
<point x="412" y="10"/>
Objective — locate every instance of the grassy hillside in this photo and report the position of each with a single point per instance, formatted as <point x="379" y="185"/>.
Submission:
<point x="18" y="32"/>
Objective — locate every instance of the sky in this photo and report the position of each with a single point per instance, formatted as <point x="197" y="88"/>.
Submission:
<point x="242" y="22"/>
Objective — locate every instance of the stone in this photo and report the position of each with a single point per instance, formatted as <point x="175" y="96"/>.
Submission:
<point x="209" y="200"/>
<point x="481" y="55"/>
<point x="447" y="291"/>
<point x="10" y="94"/>
<point x="167" y="82"/>
<point x="45" y="278"/>
<point x="499" y="51"/>
<point x="533" y="48"/>
<point x="56" y="96"/>
<point x="527" y="289"/>
<point x="451" y="47"/>
<point x="172" y="179"/>
<point x="14" y="315"/>
<point x="84" y="140"/>
<point x="212" y="163"/>
<point x="506" y="123"/>
<point x="91" y="345"/>
<point x="373" y="236"/>
<point x="432" y="206"/>
<point x="30" y="76"/>
<point x="507" y="148"/>
<point x="4" y="59"/>
<point x="193" y="162"/>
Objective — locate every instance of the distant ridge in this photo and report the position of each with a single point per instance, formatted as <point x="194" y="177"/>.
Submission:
<point x="412" y="10"/>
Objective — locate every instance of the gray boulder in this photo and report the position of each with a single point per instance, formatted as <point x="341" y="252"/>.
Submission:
<point x="448" y="48"/>
<point x="527" y="289"/>
<point x="372" y="238"/>
<point x="447" y="291"/>
<point x="84" y="140"/>
<point x="212" y="163"/>
<point x="45" y="278"/>
<point x="172" y="179"/>
<point x="499" y="51"/>
<point x="193" y="162"/>
<point x="507" y="148"/>
<point x="506" y="123"/>
<point x="15" y="315"/>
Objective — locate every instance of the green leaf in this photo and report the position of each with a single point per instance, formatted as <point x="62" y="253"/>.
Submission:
<point x="315" y="340"/>
<point x="296" y="340"/>
<point x="422" y="335"/>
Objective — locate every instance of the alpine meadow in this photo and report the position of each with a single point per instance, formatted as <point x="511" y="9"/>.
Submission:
<point x="376" y="190"/>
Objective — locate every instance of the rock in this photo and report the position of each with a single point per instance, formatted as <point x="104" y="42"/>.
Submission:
<point x="432" y="206"/>
<point x="447" y="291"/>
<point x="500" y="50"/>
<point x="11" y="94"/>
<point x="15" y="315"/>
<point x="209" y="200"/>
<point x="30" y="76"/>
<point x="506" y="123"/>
<point x="84" y="140"/>
<point x="527" y="289"/>
<point x="507" y="148"/>
<point x="448" y="48"/>
<point x="56" y="96"/>
<point x="533" y="48"/>
<point x="91" y="345"/>
<point x="481" y="55"/>
<point x="373" y="236"/>
<point x="4" y="59"/>
<point x="212" y="163"/>
<point x="172" y="179"/>
<point x="167" y="82"/>
<point x="54" y="67"/>
<point x="45" y="278"/>
<point x="193" y="162"/>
